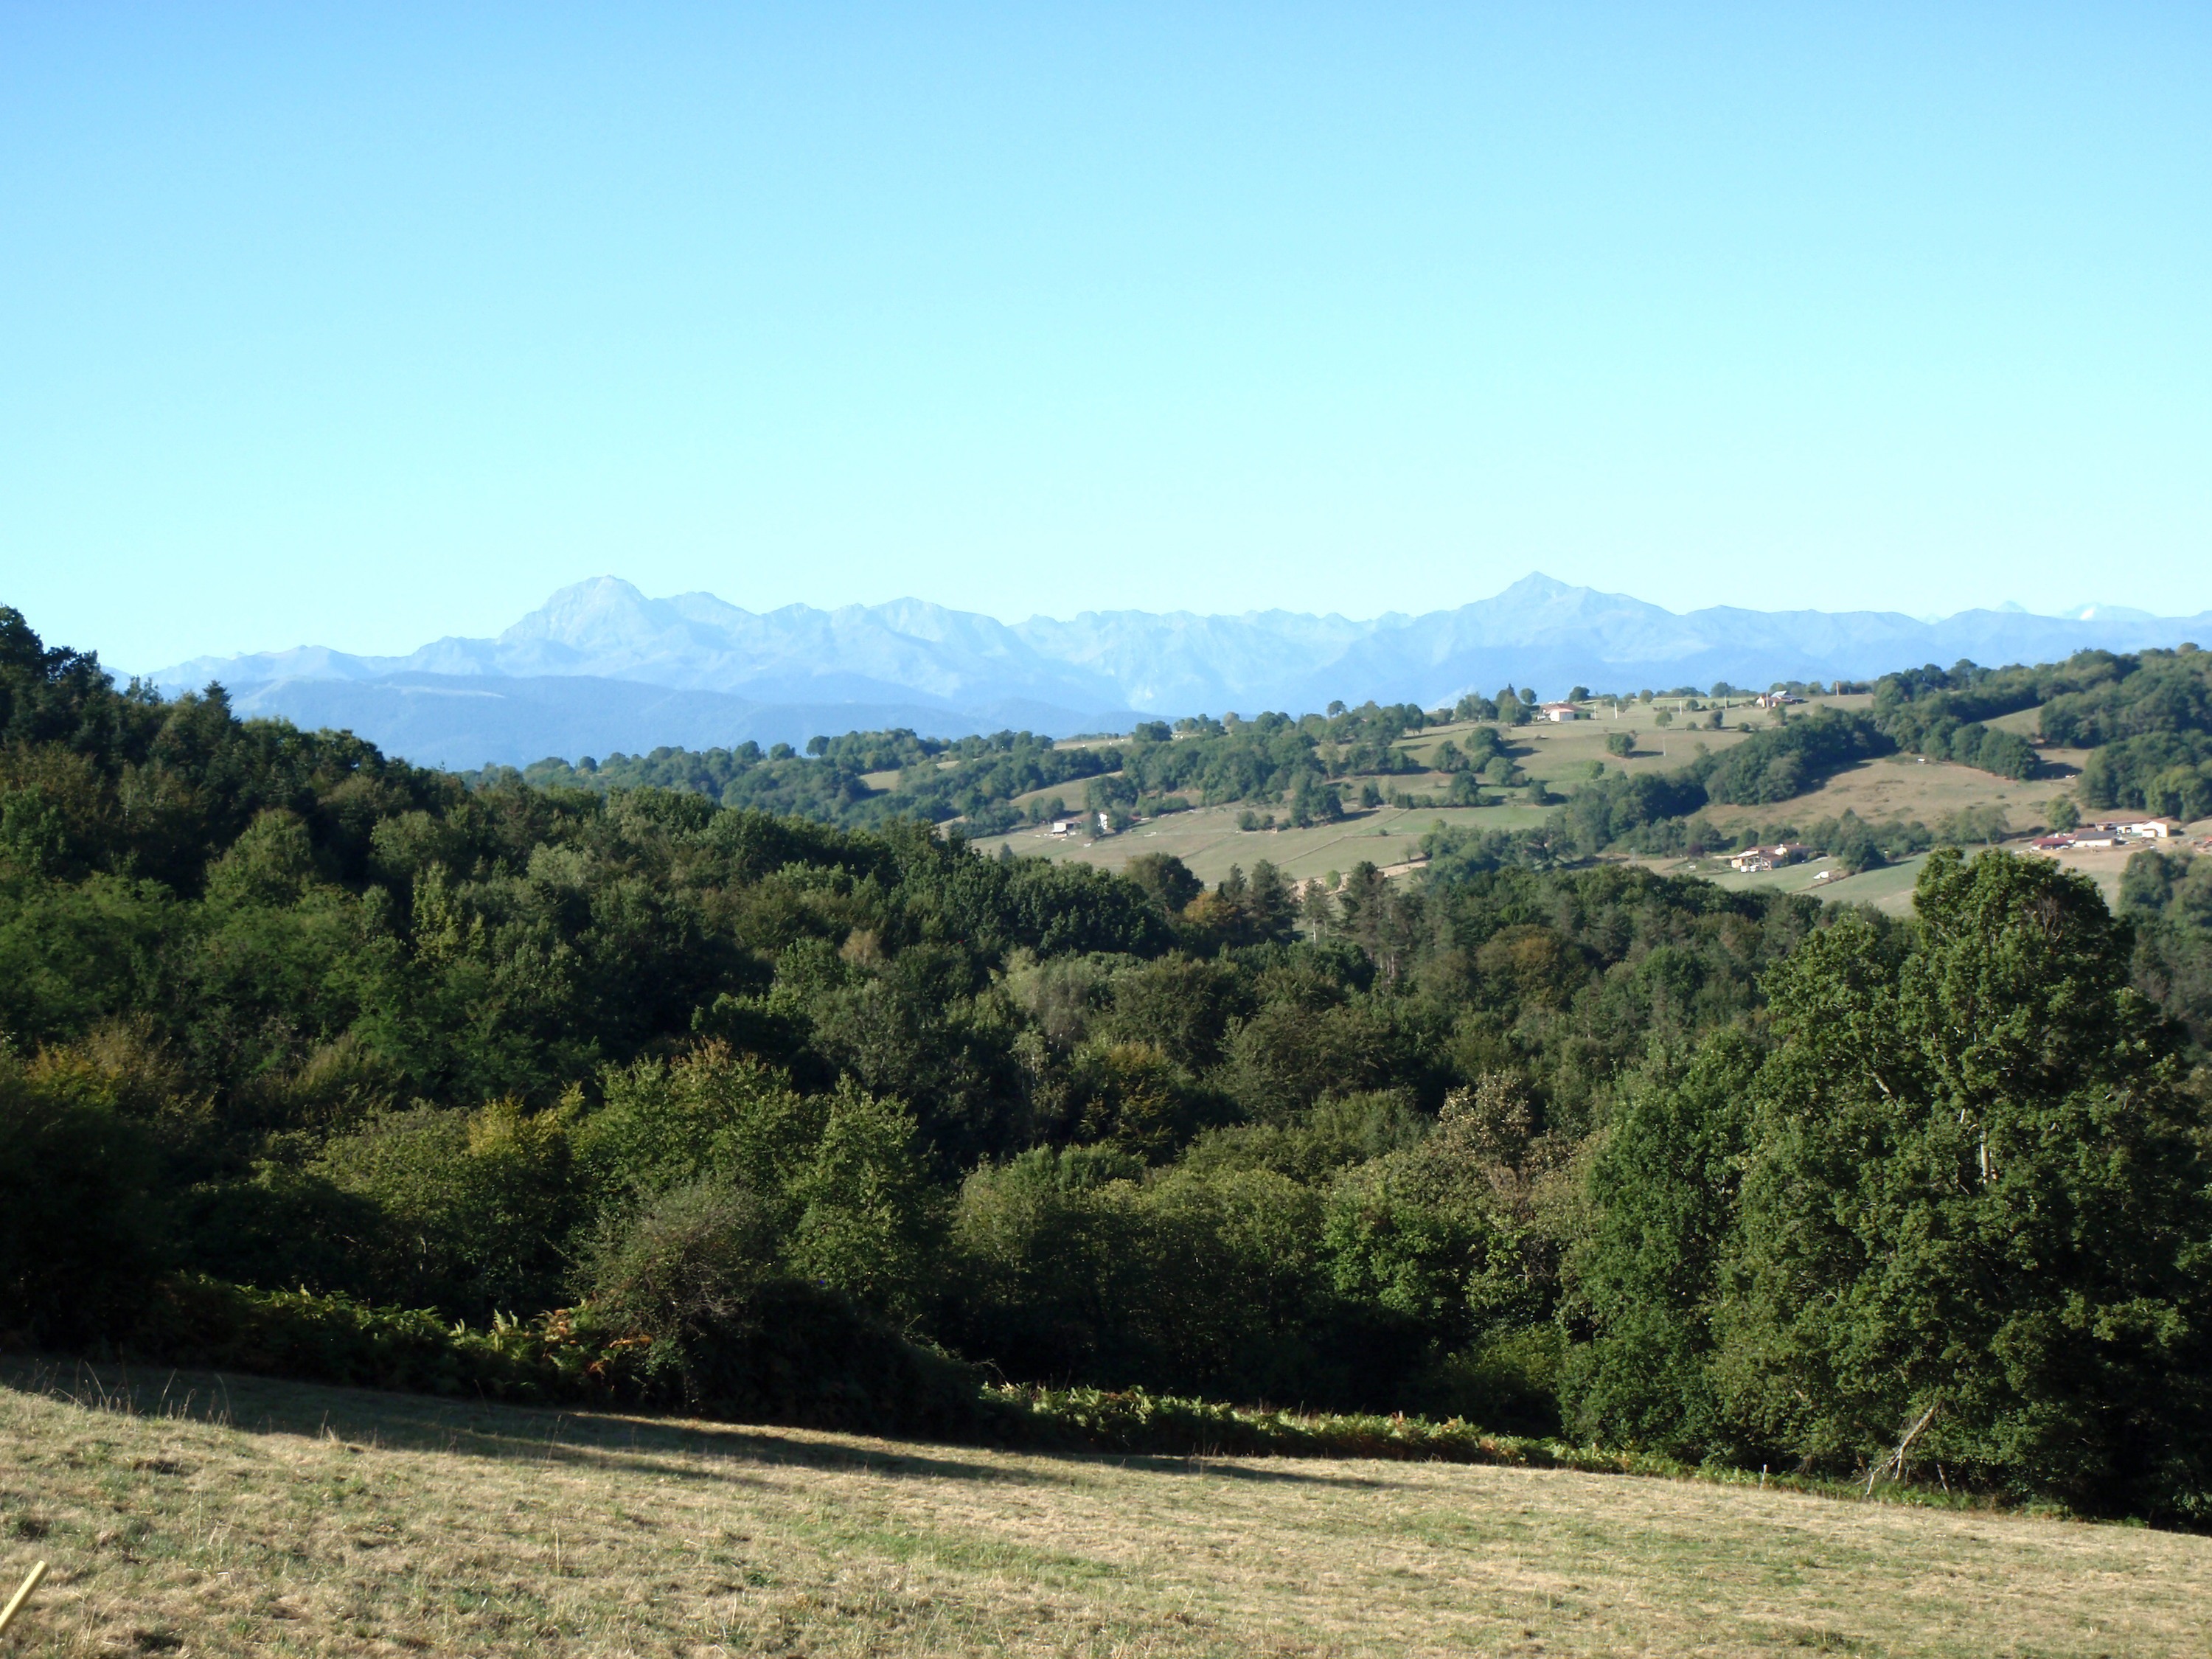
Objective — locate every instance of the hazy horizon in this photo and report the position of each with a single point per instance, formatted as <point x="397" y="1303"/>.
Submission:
<point x="368" y="329"/>
<point x="2080" y="611"/>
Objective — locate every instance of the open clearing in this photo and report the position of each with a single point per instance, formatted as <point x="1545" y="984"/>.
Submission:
<point x="327" y="1521"/>
<point x="1207" y="839"/>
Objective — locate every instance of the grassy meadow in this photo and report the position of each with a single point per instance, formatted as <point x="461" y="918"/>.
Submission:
<point x="1208" y="840"/>
<point x="1900" y="785"/>
<point x="188" y="1514"/>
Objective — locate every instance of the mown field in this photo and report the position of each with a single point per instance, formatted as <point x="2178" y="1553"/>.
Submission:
<point x="192" y="1515"/>
<point x="1208" y="840"/>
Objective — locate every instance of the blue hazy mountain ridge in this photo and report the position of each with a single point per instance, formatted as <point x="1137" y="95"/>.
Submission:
<point x="600" y="666"/>
<point x="464" y="720"/>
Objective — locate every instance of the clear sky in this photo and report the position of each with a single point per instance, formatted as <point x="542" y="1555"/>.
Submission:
<point x="361" y="325"/>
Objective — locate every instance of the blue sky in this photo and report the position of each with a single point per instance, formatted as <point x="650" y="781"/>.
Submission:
<point x="362" y="326"/>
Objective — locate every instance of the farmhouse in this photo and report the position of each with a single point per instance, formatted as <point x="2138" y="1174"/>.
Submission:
<point x="2116" y="835"/>
<point x="1561" y="711"/>
<point x="1753" y="858"/>
<point x="1778" y="699"/>
<point x="1065" y="826"/>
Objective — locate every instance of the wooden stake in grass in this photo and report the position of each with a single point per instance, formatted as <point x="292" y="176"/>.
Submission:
<point x="30" y="1582"/>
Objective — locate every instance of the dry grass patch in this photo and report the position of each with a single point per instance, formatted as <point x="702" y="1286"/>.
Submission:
<point x="335" y="1522"/>
<point x="1207" y="839"/>
<point x="1907" y="786"/>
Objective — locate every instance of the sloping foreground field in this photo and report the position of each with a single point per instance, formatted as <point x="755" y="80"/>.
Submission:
<point x="326" y="1520"/>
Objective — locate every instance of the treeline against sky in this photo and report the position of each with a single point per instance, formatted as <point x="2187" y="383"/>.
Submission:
<point x="767" y="1114"/>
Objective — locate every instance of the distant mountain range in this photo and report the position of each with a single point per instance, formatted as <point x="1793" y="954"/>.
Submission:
<point x="601" y="667"/>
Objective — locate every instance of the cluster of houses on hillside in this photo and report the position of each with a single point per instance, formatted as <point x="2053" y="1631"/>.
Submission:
<point x="2088" y="835"/>
<point x="1570" y="711"/>
<point x="2139" y="832"/>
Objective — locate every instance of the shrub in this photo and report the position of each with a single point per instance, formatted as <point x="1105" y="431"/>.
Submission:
<point x="80" y="1236"/>
<point x="191" y="1319"/>
<point x="690" y="1261"/>
<point x="795" y="1354"/>
<point x="473" y="1207"/>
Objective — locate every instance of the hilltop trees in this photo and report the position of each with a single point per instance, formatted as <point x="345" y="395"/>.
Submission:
<point x="1783" y="761"/>
<point x="2147" y="717"/>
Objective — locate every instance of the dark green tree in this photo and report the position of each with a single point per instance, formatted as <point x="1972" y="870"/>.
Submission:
<point x="1645" y="1281"/>
<point x="1975" y="1202"/>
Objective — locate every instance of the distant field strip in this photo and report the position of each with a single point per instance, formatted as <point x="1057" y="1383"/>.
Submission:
<point x="333" y="1521"/>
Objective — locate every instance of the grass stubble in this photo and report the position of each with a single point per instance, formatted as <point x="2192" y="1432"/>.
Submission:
<point x="185" y="1514"/>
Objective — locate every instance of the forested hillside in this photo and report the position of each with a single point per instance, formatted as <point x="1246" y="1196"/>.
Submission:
<point x="1270" y="757"/>
<point x="937" y="779"/>
<point x="2147" y="717"/>
<point x="2146" y="720"/>
<point x="738" y="1107"/>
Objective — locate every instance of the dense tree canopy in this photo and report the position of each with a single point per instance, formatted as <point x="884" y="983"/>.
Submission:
<point x="1958" y="1201"/>
<point x="848" y="780"/>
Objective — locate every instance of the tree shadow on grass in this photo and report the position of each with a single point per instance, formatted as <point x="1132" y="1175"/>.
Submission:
<point x="497" y="1430"/>
<point x="1228" y="1469"/>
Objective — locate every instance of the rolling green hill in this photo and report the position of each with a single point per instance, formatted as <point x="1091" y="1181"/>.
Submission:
<point x="1676" y="774"/>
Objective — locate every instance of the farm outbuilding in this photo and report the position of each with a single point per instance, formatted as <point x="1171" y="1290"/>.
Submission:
<point x="1753" y="859"/>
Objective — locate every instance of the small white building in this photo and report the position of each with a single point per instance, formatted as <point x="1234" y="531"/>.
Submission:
<point x="1065" y="826"/>
<point x="2146" y="829"/>
<point x="1753" y="858"/>
<point x="1561" y="711"/>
